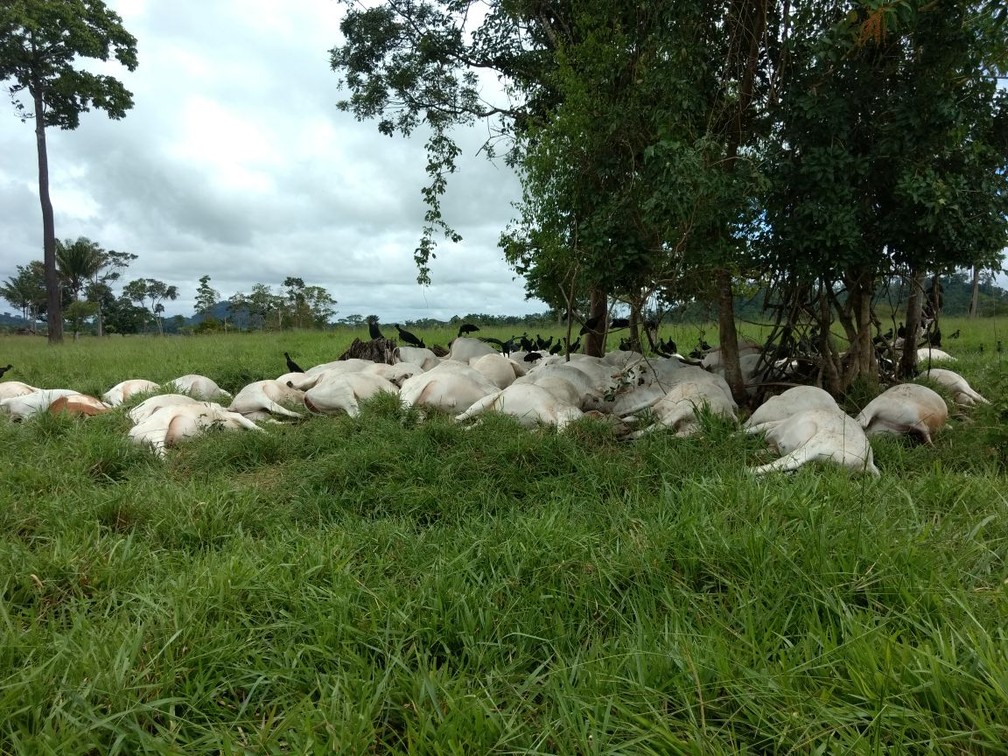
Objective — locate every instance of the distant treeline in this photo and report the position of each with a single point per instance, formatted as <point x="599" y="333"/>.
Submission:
<point x="956" y="295"/>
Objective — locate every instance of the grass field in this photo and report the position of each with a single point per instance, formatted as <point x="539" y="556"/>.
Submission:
<point x="385" y="584"/>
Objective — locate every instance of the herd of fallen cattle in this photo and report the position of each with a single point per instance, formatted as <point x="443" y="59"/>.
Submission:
<point x="804" y="423"/>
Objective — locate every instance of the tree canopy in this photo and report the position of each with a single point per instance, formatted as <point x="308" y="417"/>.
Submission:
<point x="42" y="44"/>
<point x="672" y="148"/>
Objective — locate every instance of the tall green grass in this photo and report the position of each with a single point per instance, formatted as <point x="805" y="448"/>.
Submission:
<point x="386" y="584"/>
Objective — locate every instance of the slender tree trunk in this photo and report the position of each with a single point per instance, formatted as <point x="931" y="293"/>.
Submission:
<point x="728" y="336"/>
<point x="975" y="294"/>
<point x="598" y="307"/>
<point x="54" y="308"/>
<point x="908" y="358"/>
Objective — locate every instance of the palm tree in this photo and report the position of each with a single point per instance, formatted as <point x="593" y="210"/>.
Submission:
<point x="78" y="262"/>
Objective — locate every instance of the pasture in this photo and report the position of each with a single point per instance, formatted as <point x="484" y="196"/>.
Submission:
<point x="391" y="584"/>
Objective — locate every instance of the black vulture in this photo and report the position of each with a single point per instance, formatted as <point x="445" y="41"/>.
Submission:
<point x="292" y="367"/>
<point x="953" y="335"/>
<point x="704" y="345"/>
<point x="4" y="370"/>
<point x="526" y="343"/>
<point x="617" y="323"/>
<point x="576" y="346"/>
<point x="542" y="343"/>
<point x="901" y="331"/>
<point x="590" y="325"/>
<point x="467" y="328"/>
<point x="408" y="337"/>
<point x="556" y="348"/>
<point x="373" y="330"/>
<point x="532" y="357"/>
<point x="497" y="342"/>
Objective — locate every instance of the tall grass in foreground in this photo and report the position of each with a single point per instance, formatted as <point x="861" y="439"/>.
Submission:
<point x="387" y="584"/>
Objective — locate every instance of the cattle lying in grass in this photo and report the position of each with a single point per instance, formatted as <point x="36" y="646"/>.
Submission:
<point x="446" y="388"/>
<point x="530" y="404"/>
<point x="926" y="354"/>
<point x="124" y="390"/>
<point x="826" y="435"/>
<point x="962" y="392"/>
<point x="10" y="389"/>
<point x="791" y="402"/>
<point x="343" y="393"/>
<point x="262" y="400"/>
<point x="24" y="406"/>
<point x="80" y="405"/>
<point x="397" y="374"/>
<point x="424" y="358"/>
<point x="681" y="407"/>
<point x="465" y="350"/>
<point x="149" y="406"/>
<point x="906" y="408"/>
<point x="498" y="369"/>
<point x="630" y="396"/>
<point x="199" y="387"/>
<point x="174" y="423"/>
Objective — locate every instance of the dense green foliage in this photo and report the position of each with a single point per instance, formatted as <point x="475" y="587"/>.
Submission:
<point x="391" y="584"/>
<point x="670" y="150"/>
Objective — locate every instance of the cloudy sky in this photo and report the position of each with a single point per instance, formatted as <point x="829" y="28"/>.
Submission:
<point x="234" y="162"/>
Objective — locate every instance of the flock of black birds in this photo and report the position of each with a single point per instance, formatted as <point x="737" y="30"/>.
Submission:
<point x="536" y="348"/>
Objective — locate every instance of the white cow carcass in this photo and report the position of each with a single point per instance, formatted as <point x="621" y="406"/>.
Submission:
<point x="149" y="406"/>
<point x="930" y="354"/>
<point x="79" y="405"/>
<point x="962" y="392"/>
<point x="24" y="406"/>
<point x="10" y="389"/>
<point x="199" y="387"/>
<point x="423" y="357"/>
<point x="791" y="402"/>
<point x="445" y="389"/>
<point x="343" y="393"/>
<point x="680" y="406"/>
<point x="465" y="350"/>
<point x="125" y="389"/>
<point x="173" y="423"/>
<point x="532" y="405"/>
<point x="263" y="400"/>
<point x="336" y="367"/>
<point x="501" y="371"/>
<point x="826" y="435"/>
<point x="906" y="408"/>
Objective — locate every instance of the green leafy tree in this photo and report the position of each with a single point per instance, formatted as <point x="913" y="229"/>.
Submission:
<point x="27" y="290"/>
<point x="890" y="160"/>
<point x="41" y="41"/>
<point x="206" y="297"/>
<point x="111" y="265"/>
<point x="77" y="312"/>
<point x="151" y="293"/>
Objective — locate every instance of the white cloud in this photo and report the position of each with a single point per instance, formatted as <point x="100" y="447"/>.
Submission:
<point x="235" y="162"/>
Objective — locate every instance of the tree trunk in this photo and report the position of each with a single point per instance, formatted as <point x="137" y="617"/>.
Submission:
<point x="975" y="294"/>
<point x="598" y="307"/>
<point x="54" y="306"/>
<point x="908" y="358"/>
<point x="728" y="336"/>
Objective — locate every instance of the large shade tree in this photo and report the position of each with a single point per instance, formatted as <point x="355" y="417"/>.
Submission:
<point x="889" y="156"/>
<point x="42" y="46"/>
